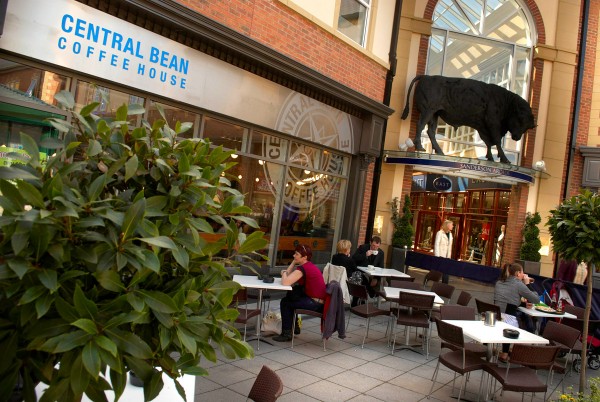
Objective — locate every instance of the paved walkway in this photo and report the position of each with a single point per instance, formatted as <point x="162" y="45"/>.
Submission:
<point x="345" y="372"/>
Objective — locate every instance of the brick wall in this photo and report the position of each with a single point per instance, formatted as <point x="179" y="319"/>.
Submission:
<point x="273" y="24"/>
<point x="585" y="103"/>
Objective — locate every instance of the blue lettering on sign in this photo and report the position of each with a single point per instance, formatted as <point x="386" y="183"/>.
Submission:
<point x="86" y="39"/>
<point x="442" y="184"/>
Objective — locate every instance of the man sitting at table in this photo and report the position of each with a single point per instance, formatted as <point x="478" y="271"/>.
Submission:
<point x="370" y="254"/>
<point x="308" y="290"/>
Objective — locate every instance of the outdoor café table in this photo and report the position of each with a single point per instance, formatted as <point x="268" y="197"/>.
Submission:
<point x="252" y="282"/>
<point x="394" y="293"/>
<point x="383" y="273"/>
<point x="478" y="331"/>
<point x="537" y="314"/>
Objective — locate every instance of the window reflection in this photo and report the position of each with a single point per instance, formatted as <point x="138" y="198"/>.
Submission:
<point x="110" y="100"/>
<point x="173" y="115"/>
<point x="223" y="133"/>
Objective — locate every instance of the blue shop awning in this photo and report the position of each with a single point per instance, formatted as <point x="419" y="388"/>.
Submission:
<point x="465" y="167"/>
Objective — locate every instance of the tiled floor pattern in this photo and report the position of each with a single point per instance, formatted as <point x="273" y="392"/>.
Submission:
<point x="347" y="372"/>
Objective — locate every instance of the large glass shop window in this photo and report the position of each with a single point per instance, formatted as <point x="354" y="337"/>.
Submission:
<point x="27" y="95"/>
<point x="173" y="115"/>
<point x="311" y="202"/>
<point x="109" y="99"/>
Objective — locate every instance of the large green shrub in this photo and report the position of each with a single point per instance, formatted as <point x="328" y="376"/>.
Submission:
<point x="403" y="229"/>
<point x="103" y="268"/>
<point x="530" y="248"/>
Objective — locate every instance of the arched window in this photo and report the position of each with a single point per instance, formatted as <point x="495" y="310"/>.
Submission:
<point x="485" y="40"/>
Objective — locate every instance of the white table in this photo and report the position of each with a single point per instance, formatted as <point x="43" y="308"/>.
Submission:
<point x="383" y="273"/>
<point x="537" y="314"/>
<point x="478" y="331"/>
<point x="252" y="282"/>
<point x="394" y="293"/>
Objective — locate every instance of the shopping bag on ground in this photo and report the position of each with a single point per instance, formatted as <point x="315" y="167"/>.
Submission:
<point x="271" y="322"/>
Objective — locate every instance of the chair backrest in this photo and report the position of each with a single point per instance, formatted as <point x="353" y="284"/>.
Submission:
<point x="455" y="312"/>
<point x="240" y="296"/>
<point x="408" y="285"/>
<point x="359" y="291"/>
<point x="395" y="281"/>
<point x="482" y="307"/>
<point x="450" y="333"/>
<point x="561" y="333"/>
<point x="267" y="387"/>
<point x="534" y="356"/>
<point x="577" y="311"/>
<point x="433" y="276"/>
<point x="463" y="298"/>
<point x="415" y="300"/>
<point x="443" y="290"/>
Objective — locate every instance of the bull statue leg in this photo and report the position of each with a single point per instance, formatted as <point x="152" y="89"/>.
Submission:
<point x="489" y="142"/>
<point x="501" y="154"/>
<point x="431" y="130"/>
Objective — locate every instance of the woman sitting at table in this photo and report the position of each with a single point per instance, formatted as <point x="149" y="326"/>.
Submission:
<point x="509" y="290"/>
<point x="308" y="293"/>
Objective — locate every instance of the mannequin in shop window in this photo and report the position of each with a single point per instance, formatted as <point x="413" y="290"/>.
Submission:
<point x="427" y="238"/>
<point x="500" y="245"/>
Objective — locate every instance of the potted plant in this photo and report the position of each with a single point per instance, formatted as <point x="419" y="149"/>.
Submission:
<point x="575" y="232"/>
<point x="402" y="236"/>
<point x="530" y="248"/>
<point x="103" y="266"/>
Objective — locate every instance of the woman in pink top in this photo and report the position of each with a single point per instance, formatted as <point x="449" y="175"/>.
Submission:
<point x="309" y="277"/>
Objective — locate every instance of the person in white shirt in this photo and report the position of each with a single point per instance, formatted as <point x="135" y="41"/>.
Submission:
<point x="443" y="240"/>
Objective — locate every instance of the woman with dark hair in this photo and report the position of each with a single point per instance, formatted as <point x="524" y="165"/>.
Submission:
<point x="310" y="295"/>
<point x="509" y="290"/>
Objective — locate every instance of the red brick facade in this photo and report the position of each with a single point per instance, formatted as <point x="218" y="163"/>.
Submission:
<point x="275" y="25"/>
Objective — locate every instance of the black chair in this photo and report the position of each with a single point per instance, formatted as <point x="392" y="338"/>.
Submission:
<point x="520" y="373"/>
<point x="443" y="290"/>
<point x="267" y="387"/>
<point x="240" y="302"/>
<point x="456" y="312"/>
<point x="482" y="307"/>
<point x="459" y="360"/>
<point x="416" y="314"/>
<point x="566" y="338"/>
<point x="364" y="310"/>
<point x="433" y="276"/>
<point x="463" y="298"/>
<point x="312" y="313"/>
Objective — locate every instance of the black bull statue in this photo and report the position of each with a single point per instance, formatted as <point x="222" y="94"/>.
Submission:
<point x="488" y="108"/>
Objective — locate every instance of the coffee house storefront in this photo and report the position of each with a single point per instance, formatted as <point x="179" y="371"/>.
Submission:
<point x="295" y="154"/>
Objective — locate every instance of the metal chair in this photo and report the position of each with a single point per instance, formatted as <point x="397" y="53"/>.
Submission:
<point x="523" y="379"/>
<point x="365" y="310"/>
<point x="433" y="276"/>
<point x="482" y="307"/>
<point x="443" y="290"/>
<point x="416" y="315"/>
<point x="459" y="360"/>
<point x="463" y="298"/>
<point x="566" y="338"/>
<point x="267" y="387"/>
<point x="455" y="312"/>
<point x="312" y="313"/>
<point x="245" y="313"/>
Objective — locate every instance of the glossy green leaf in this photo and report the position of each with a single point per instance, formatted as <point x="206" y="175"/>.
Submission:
<point x="49" y="279"/>
<point x="31" y="147"/>
<point x="43" y="304"/>
<point x="132" y="218"/>
<point x="91" y="359"/>
<point x="94" y="148"/>
<point x="84" y="306"/>
<point x="158" y="301"/>
<point x="86" y="324"/>
<point x="106" y="344"/>
<point x="96" y="188"/>
<point x="131" y="167"/>
<point x="153" y="387"/>
<point x="160" y="241"/>
<point x="182" y="257"/>
<point x="65" y="98"/>
<point x="19" y="266"/>
<point x="31" y="194"/>
<point x="64" y="343"/>
<point x="118" y="382"/>
<point x="129" y="343"/>
<point x="15" y="173"/>
<point x="87" y="109"/>
<point x="79" y="377"/>
<point x="110" y="280"/>
<point x="32" y="294"/>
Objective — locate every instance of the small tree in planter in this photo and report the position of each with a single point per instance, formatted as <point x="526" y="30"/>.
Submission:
<point x="530" y="248"/>
<point x="575" y="231"/>
<point x="403" y="230"/>
<point x="102" y="266"/>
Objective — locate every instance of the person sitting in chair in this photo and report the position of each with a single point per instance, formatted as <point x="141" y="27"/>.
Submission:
<point x="309" y="290"/>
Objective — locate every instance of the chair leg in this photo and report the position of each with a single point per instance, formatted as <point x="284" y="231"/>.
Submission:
<point x="293" y="328"/>
<point x="435" y="373"/>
